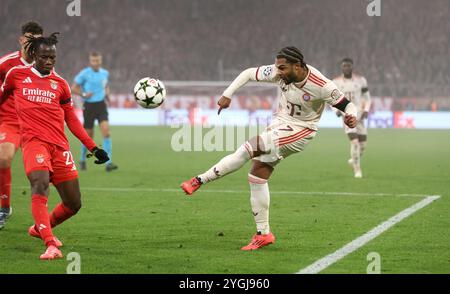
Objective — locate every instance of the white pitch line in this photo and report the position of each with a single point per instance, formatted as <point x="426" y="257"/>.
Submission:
<point x="119" y="189"/>
<point x="328" y="260"/>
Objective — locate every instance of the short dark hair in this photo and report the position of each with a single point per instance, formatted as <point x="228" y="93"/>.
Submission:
<point x="292" y="55"/>
<point x="32" y="27"/>
<point x="95" y="54"/>
<point x="33" y="43"/>
<point x="347" y="59"/>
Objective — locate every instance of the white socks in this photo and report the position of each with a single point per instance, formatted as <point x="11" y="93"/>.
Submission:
<point x="355" y="154"/>
<point x="260" y="200"/>
<point x="362" y="146"/>
<point x="228" y="164"/>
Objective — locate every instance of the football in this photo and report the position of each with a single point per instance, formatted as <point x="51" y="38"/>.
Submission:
<point x="149" y="92"/>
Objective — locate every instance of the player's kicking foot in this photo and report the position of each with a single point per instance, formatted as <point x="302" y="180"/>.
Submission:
<point x="111" y="166"/>
<point x="191" y="186"/>
<point x="34" y="233"/>
<point x="358" y="174"/>
<point x="52" y="252"/>
<point x="259" y="241"/>
<point x="5" y="213"/>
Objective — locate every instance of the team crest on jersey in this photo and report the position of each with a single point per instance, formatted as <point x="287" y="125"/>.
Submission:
<point x="306" y="97"/>
<point x="54" y="84"/>
<point x="40" y="158"/>
<point x="2" y="136"/>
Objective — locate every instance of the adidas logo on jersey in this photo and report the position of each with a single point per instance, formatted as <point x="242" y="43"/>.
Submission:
<point x="27" y="81"/>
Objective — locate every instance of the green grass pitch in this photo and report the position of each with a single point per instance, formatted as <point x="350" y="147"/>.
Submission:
<point x="134" y="220"/>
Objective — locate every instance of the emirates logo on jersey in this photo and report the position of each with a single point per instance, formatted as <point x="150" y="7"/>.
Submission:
<point x="2" y="136"/>
<point x="54" y="84"/>
<point x="40" y="158"/>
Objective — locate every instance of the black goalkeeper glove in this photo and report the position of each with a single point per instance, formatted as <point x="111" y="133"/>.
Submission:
<point x="100" y="154"/>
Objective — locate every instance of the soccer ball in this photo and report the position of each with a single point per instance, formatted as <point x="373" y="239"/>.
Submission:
<point x="149" y="92"/>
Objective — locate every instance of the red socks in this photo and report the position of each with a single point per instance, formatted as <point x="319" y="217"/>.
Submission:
<point x="5" y="187"/>
<point x="41" y="218"/>
<point x="59" y="214"/>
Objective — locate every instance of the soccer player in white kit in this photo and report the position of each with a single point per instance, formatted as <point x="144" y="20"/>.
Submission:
<point x="305" y="91"/>
<point x="355" y="89"/>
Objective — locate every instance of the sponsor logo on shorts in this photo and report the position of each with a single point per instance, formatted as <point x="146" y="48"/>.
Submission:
<point x="306" y="97"/>
<point x="2" y="136"/>
<point x="40" y="158"/>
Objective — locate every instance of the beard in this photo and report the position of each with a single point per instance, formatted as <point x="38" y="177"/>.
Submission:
<point x="291" y="78"/>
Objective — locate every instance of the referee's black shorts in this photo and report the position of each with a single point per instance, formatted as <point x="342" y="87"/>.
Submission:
<point x="94" y="111"/>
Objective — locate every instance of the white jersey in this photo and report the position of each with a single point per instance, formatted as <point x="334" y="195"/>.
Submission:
<point x="355" y="89"/>
<point x="302" y="103"/>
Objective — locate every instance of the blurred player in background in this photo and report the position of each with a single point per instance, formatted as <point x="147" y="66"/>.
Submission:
<point x="43" y="103"/>
<point x="9" y="123"/>
<point x="355" y="89"/>
<point x="91" y="84"/>
<point x="304" y="93"/>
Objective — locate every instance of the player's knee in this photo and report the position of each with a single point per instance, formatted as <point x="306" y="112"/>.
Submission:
<point x="74" y="205"/>
<point x="39" y="186"/>
<point x="257" y="146"/>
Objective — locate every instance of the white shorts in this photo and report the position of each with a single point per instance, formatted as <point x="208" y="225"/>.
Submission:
<point x="360" y="129"/>
<point x="282" y="139"/>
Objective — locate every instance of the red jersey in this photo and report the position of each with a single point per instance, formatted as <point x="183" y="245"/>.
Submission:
<point x="7" y="110"/>
<point x="43" y="103"/>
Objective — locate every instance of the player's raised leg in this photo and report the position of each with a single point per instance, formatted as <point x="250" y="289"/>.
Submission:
<point x="230" y="163"/>
<point x="7" y="151"/>
<point x="260" y="201"/>
<point x="39" y="181"/>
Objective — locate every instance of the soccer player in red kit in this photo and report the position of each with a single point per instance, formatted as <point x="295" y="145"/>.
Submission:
<point x="9" y="124"/>
<point x="43" y="103"/>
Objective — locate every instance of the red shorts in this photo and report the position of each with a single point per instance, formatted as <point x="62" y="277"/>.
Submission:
<point x="10" y="134"/>
<point x="40" y="155"/>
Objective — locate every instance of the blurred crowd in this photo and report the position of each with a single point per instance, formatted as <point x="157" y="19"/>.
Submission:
<point x="403" y="53"/>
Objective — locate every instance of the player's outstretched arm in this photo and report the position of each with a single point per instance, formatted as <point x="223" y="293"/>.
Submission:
<point x="264" y="73"/>
<point x="350" y="112"/>
<point x="77" y="129"/>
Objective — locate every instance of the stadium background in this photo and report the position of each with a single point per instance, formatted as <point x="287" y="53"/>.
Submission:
<point x="195" y="47"/>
